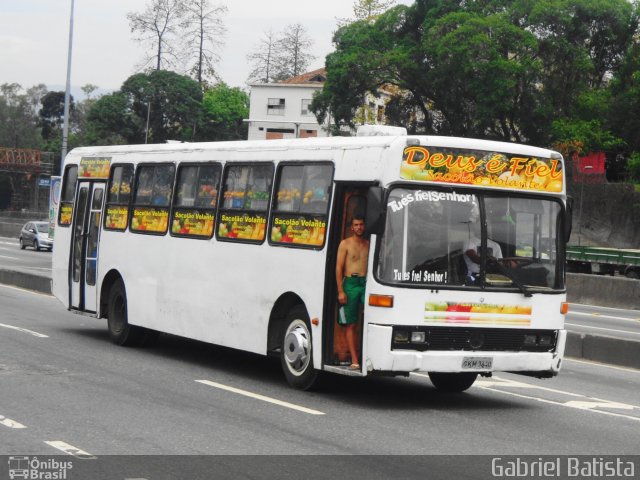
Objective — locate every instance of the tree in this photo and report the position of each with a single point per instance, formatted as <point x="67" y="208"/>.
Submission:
<point x="110" y="121"/>
<point x="52" y="114"/>
<point x="369" y="10"/>
<point x="224" y="108"/>
<point x="293" y="56"/>
<point x="18" y="118"/>
<point x="491" y="68"/>
<point x="263" y="59"/>
<point x="203" y="36"/>
<point x="158" y="27"/>
<point x="171" y="101"/>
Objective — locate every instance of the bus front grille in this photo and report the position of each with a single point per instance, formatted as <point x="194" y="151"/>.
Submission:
<point x="473" y="339"/>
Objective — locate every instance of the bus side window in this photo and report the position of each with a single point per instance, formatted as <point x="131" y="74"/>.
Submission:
<point x="245" y="202"/>
<point x="65" y="212"/>
<point x="301" y="206"/>
<point x="118" y="196"/>
<point x="195" y="201"/>
<point x="152" y="198"/>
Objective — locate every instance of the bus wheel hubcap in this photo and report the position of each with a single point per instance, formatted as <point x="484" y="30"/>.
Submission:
<point x="297" y="347"/>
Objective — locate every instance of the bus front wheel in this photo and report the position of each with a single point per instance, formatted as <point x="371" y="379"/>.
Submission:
<point x="120" y="331"/>
<point x="452" y="382"/>
<point x="296" y="354"/>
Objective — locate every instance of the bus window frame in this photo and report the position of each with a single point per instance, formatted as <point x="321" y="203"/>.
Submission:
<point x="128" y="204"/>
<point x="273" y="211"/>
<point x="215" y="209"/>
<point x="62" y="191"/>
<point x="480" y="193"/>
<point x="134" y="191"/>
<point x="237" y="211"/>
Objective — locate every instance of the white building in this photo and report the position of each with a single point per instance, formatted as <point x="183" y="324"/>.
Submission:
<point x="281" y="110"/>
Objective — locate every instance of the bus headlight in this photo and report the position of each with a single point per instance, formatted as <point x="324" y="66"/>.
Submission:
<point x="401" y="336"/>
<point x="545" y="341"/>
<point x="530" y="340"/>
<point x="418" y="337"/>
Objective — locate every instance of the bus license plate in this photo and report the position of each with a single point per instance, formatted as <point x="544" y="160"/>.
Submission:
<point x="477" y="363"/>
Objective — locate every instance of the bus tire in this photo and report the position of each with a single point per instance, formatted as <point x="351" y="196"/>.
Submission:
<point x="120" y="331"/>
<point x="296" y="355"/>
<point x="452" y="382"/>
<point x="631" y="273"/>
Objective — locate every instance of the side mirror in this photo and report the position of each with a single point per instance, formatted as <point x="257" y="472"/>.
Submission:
<point x="375" y="210"/>
<point x="32" y="230"/>
<point x="568" y="220"/>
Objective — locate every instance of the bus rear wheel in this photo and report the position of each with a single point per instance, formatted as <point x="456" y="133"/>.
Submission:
<point x="296" y="353"/>
<point x="120" y="331"/>
<point x="452" y="382"/>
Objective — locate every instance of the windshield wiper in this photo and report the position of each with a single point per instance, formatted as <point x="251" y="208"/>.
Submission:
<point x="525" y="291"/>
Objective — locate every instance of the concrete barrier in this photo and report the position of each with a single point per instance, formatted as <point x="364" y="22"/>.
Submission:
<point x="27" y="281"/>
<point x="10" y="229"/>
<point x="599" y="348"/>
<point x="603" y="291"/>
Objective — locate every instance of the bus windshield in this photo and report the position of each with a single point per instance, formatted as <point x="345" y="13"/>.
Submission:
<point x="466" y="238"/>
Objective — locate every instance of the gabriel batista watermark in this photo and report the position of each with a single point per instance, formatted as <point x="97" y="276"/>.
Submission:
<point x="571" y="467"/>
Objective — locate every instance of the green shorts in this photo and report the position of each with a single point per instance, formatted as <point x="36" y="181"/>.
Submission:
<point x="354" y="291"/>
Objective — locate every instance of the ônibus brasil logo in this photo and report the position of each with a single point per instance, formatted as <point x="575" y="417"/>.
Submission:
<point x="34" y="469"/>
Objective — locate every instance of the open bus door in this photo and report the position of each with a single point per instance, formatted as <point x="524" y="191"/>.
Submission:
<point x="350" y="198"/>
<point x="84" y="246"/>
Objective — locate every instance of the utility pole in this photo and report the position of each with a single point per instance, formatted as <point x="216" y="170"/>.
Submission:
<point x="67" y="93"/>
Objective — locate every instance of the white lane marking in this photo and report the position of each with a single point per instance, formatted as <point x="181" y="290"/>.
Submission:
<point x="589" y="403"/>
<point x="24" y="330"/>
<point x="264" y="398"/>
<point x="600" y="315"/>
<point x="565" y="404"/>
<point x="11" y="258"/>
<point x="70" y="449"/>
<point x="7" y="422"/>
<point x="605" y="365"/>
<point x="602" y="328"/>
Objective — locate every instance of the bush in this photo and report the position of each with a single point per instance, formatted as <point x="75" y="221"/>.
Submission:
<point x="633" y="166"/>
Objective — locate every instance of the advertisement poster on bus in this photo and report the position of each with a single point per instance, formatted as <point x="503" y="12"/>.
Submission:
<point x="94" y="167"/>
<point x="243" y="226"/>
<point x="117" y="217"/>
<point x="474" y="167"/>
<point x="193" y="223"/>
<point x="150" y="220"/>
<point x="300" y="230"/>
<point x="54" y="202"/>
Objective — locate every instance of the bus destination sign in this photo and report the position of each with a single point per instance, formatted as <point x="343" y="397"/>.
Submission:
<point x="474" y="167"/>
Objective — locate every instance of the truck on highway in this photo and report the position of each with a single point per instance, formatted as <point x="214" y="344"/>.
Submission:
<point x="603" y="261"/>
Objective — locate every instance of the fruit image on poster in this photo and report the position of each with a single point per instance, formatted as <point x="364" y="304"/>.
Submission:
<point x="94" y="167"/>
<point x="308" y="231"/>
<point x="490" y="169"/>
<point x="151" y="220"/>
<point x="193" y="223"/>
<point x="66" y="213"/>
<point x="477" y="313"/>
<point x="242" y="227"/>
<point x="117" y="218"/>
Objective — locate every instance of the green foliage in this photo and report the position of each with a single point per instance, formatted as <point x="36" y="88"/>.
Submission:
<point x="633" y="166"/>
<point x="585" y="135"/>
<point x="224" y="108"/>
<point x="514" y="70"/>
<point x="18" y="120"/>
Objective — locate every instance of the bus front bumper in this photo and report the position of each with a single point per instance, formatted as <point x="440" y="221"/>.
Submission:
<point x="380" y="358"/>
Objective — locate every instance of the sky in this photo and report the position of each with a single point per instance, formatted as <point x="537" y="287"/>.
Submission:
<point x="34" y="36"/>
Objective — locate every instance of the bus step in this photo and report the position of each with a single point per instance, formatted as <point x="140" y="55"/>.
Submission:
<point x="343" y="370"/>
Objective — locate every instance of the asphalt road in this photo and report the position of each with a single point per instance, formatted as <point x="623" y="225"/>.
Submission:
<point x="64" y="389"/>
<point x="27" y="260"/>
<point x="612" y="322"/>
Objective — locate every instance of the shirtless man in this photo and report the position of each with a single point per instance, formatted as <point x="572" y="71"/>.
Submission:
<point x="351" y="271"/>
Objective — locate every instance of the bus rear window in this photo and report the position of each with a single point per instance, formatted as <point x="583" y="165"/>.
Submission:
<point x="152" y="198"/>
<point x="245" y="202"/>
<point x="65" y="212"/>
<point x="194" y="205"/>
<point x="301" y="205"/>
<point x="118" y="196"/>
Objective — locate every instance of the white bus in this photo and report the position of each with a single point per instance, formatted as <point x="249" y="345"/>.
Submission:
<point x="234" y="243"/>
